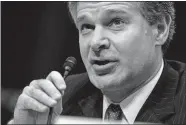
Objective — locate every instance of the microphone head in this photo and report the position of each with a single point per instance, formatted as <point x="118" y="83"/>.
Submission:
<point x="70" y="63"/>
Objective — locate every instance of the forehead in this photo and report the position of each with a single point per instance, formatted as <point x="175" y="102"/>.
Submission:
<point x="88" y="8"/>
<point x="97" y="6"/>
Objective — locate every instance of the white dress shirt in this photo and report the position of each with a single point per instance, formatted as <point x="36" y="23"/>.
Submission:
<point x="134" y="102"/>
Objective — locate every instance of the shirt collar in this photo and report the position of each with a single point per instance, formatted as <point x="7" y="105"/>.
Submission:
<point x="134" y="102"/>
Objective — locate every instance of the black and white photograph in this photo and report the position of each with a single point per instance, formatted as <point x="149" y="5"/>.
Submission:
<point x="93" y="62"/>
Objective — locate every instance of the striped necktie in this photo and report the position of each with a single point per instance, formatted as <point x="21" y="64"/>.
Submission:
<point x="114" y="113"/>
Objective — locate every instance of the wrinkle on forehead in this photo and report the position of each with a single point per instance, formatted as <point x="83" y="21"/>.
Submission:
<point x="98" y="9"/>
<point x="97" y="6"/>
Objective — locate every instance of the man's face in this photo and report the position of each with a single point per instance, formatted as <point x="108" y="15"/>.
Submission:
<point x="116" y="43"/>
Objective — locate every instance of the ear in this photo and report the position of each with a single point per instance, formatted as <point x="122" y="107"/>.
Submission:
<point x="163" y="26"/>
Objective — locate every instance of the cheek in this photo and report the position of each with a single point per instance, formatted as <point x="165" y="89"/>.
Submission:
<point x="133" y="46"/>
<point x="128" y="42"/>
<point x="84" y="49"/>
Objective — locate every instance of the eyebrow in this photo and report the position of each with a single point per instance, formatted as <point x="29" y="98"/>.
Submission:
<point x="81" y="18"/>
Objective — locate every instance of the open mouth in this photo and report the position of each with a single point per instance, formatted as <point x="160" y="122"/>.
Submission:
<point x="102" y="67"/>
<point x="103" y="62"/>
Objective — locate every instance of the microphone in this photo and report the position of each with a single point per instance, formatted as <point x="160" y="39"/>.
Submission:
<point x="69" y="64"/>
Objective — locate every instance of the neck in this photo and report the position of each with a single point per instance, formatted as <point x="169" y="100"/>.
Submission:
<point x="119" y="94"/>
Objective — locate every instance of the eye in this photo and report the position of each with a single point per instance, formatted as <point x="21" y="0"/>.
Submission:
<point x="116" y="24"/>
<point x="86" y="28"/>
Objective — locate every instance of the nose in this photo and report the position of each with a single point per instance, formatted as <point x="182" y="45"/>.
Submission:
<point x="100" y="40"/>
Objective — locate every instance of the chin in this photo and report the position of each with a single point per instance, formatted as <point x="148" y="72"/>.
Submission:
<point x="109" y="81"/>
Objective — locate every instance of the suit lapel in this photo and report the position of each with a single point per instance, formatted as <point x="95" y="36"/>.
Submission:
<point x="159" y="107"/>
<point x="92" y="105"/>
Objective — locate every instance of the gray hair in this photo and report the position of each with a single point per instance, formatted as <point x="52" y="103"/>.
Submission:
<point x="152" y="11"/>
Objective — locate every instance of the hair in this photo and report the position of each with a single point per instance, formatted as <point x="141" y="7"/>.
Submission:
<point x="152" y="11"/>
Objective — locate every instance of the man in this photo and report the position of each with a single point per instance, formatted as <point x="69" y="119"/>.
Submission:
<point x="127" y="80"/>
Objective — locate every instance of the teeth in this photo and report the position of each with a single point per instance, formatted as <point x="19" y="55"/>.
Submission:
<point x="101" y="62"/>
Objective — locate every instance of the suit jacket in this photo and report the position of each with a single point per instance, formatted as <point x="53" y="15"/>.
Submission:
<point x="166" y="103"/>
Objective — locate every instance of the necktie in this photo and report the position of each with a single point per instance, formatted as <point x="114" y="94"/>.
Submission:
<point x="114" y="113"/>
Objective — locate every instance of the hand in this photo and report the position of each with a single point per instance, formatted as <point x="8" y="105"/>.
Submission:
<point x="34" y="103"/>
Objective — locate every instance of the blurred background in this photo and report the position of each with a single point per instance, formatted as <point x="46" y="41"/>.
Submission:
<point x="37" y="37"/>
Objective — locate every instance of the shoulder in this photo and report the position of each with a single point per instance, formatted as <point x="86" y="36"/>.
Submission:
<point x="180" y="96"/>
<point x="76" y="80"/>
<point x="180" y="67"/>
<point x="78" y="88"/>
<point x="74" y="84"/>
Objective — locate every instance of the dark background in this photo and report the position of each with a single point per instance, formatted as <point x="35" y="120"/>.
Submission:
<point x="38" y="36"/>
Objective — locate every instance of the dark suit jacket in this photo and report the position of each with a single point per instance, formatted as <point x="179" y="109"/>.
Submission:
<point x="166" y="103"/>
